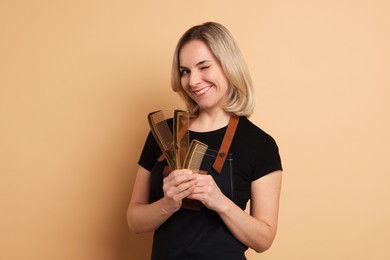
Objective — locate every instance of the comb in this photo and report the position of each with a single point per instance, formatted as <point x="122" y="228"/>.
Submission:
<point x="163" y="136"/>
<point x="195" y="154"/>
<point x="180" y="136"/>
<point x="193" y="161"/>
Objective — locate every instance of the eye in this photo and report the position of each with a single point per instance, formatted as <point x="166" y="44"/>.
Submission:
<point x="184" y="72"/>
<point x="204" y="68"/>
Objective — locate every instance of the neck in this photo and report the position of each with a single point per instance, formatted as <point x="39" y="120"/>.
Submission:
<point x="207" y="121"/>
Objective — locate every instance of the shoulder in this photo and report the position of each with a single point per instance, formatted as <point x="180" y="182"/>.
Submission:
<point x="247" y="130"/>
<point x="254" y="139"/>
<point x="256" y="148"/>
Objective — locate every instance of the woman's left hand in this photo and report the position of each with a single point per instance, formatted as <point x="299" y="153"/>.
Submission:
<point x="208" y="192"/>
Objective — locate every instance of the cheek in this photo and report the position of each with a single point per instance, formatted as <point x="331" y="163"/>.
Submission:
<point x="184" y="83"/>
<point x="224" y="81"/>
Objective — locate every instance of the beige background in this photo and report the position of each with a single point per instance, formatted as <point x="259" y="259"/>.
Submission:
<point x="77" y="79"/>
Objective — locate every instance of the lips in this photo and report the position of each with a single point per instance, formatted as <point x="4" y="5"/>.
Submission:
<point x="201" y="91"/>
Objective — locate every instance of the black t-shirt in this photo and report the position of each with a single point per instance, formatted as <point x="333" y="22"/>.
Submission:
<point x="255" y="154"/>
<point x="191" y="234"/>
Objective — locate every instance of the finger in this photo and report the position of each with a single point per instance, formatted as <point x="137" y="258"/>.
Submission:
<point x="198" y="197"/>
<point x="182" y="178"/>
<point x="205" y="183"/>
<point x="184" y="194"/>
<point x="176" y="191"/>
<point x="177" y="173"/>
<point x="199" y="190"/>
<point x="182" y="172"/>
<point x="186" y="185"/>
<point x="178" y="177"/>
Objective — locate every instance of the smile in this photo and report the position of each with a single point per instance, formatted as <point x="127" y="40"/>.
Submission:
<point x="202" y="91"/>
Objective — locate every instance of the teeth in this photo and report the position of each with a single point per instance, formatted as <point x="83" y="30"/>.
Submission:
<point x="202" y="91"/>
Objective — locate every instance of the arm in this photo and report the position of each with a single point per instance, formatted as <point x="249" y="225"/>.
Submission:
<point x="256" y="230"/>
<point x="143" y="216"/>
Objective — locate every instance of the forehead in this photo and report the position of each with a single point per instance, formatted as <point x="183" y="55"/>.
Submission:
<point x="193" y="52"/>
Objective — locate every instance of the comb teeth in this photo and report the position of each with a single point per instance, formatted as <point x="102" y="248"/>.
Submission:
<point x="180" y="136"/>
<point x="195" y="155"/>
<point x="175" y="148"/>
<point x="163" y="135"/>
<point x="161" y="128"/>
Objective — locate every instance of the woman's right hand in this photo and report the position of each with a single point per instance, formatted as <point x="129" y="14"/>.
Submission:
<point x="177" y="186"/>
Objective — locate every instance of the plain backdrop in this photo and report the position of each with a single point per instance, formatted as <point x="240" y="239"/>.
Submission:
<point x="77" y="79"/>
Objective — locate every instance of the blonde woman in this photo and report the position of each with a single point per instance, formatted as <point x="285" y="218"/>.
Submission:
<point x="242" y="161"/>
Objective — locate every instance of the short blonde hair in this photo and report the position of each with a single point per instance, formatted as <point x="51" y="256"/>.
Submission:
<point x="223" y="46"/>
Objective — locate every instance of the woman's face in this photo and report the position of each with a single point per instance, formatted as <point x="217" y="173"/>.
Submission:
<point x="202" y="76"/>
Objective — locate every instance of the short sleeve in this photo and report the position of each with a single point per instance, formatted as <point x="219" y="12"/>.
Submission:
<point x="267" y="158"/>
<point x="150" y="153"/>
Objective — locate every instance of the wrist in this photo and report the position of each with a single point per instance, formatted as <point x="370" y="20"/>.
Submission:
<point x="166" y="208"/>
<point x="224" y="207"/>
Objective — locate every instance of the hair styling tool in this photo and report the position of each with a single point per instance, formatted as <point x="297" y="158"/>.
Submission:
<point x="163" y="136"/>
<point x="194" y="156"/>
<point x="180" y="136"/>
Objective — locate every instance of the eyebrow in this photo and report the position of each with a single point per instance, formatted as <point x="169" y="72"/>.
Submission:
<point x="197" y="64"/>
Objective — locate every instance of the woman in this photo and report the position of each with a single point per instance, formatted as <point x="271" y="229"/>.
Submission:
<point x="242" y="161"/>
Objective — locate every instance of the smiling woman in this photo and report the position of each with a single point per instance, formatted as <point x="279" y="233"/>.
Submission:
<point x="241" y="163"/>
<point x="221" y="47"/>
<point x="202" y="77"/>
<point x="76" y="77"/>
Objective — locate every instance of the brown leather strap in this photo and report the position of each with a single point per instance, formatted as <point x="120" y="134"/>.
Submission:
<point x="226" y="142"/>
<point x="161" y="158"/>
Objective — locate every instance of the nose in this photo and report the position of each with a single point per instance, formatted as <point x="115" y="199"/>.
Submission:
<point x="195" y="79"/>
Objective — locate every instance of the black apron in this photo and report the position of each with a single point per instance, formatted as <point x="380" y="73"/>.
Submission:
<point x="198" y="233"/>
